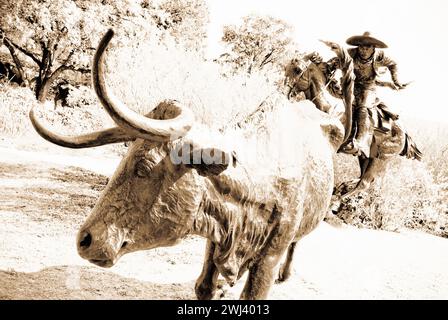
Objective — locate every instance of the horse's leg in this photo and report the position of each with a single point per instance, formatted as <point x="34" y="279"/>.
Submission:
<point x="206" y="284"/>
<point x="374" y="166"/>
<point x="363" y="163"/>
<point x="368" y="167"/>
<point x="285" y="269"/>
<point x="347" y="186"/>
<point x="352" y="184"/>
<point x="290" y="93"/>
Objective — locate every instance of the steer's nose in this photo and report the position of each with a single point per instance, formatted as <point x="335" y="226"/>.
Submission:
<point x="85" y="240"/>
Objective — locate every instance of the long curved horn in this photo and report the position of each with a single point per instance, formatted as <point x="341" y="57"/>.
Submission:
<point x="147" y="128"/>
<point x="99" y="138"/>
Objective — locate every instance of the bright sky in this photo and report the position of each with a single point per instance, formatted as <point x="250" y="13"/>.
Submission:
<point x="415" y="31"/>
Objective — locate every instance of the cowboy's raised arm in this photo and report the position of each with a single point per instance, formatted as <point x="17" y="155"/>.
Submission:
<point x="314" y="57"/>
<point x="348" y="75"/>
<point x="345" y="59"/>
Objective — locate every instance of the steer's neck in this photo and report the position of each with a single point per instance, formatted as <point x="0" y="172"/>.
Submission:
<point x="215" y="217"/>
<point x="239" y="226"/>
<point x="208" y="226"/>
<point x="227" y="205"/>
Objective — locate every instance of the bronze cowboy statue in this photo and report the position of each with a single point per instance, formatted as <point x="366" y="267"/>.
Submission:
<point x="367" y="60"/>
<point x="377" y="134"/>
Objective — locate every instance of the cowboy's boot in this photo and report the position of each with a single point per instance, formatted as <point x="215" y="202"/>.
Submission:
<point x="364" y="135"/>
<point x="349" y="146"/>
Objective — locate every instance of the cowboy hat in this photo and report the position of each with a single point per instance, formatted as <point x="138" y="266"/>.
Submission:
<point x="366" y="40"/>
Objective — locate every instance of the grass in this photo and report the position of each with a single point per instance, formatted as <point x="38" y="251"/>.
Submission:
<point x="84" y="114"/>
<point x="15" y="102"/>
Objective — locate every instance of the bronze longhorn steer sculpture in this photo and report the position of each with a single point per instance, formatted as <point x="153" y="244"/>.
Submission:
<point x="250" y="217"/>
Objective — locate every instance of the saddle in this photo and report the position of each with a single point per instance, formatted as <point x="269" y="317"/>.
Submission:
<point x="384" y="118"/>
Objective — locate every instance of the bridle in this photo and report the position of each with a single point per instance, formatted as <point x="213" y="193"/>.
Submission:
<point x="329" y="79"/>
<point x="304" y="75"/>
<point x="300" y="76"/>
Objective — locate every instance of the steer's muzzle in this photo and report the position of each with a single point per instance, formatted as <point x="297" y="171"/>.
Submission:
<point x="85" y="240"/>
<point x="93" y="251"/>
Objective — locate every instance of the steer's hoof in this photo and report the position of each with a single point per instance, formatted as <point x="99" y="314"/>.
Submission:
<point x="335" y="204"/>
<point x="283" y="274"/>
<point x="334" y="220"/>
<point x="221" y="290"/>
<point x="203" y="293"/>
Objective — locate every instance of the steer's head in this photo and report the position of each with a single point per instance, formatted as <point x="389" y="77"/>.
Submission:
<point x="154" y="196"/>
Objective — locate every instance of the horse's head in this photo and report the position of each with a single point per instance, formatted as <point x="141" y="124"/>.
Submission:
<point x="311" y="79"/>
<point x="295" y="77"/>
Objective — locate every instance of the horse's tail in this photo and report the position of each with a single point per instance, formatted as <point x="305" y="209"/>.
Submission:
<point x="410" y="149"/>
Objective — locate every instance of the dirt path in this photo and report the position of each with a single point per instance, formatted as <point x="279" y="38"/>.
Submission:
<point x="45" y="198"/>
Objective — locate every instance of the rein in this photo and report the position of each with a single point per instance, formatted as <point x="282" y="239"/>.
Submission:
<point x="325" y="88"/>
<point x="308" y="80"/>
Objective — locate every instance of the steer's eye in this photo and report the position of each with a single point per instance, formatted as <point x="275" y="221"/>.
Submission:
<point x="142" y="169"/>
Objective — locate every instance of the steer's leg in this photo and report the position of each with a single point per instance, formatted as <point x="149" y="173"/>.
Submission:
<point x="206" y="283"/>
<point x="285" y="268"/>
<point x="262" y="272"/>
<point x="260" y="278"/>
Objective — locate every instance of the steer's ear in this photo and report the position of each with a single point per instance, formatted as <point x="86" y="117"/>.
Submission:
<point x="211" y="161"/>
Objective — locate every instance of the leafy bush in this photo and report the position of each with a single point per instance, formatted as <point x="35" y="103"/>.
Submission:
<point x="84" y="115"/>
<point x="148" y="73"/>
<point x="15" y="102"/>
<point x="405" y="196"/>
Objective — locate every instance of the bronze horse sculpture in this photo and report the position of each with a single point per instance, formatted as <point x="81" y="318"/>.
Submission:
<point x="390" y="138"/>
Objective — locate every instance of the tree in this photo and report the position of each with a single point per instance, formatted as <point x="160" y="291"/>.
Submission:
<point x="257" y="44"/>
<point x="185" y="20"/>
<point x="50" y="35"/>
<point x="47" y="38"/>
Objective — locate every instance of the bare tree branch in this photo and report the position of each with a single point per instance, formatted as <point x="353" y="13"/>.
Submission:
<point x="16" y="60"/>
<point x="70" y="55"/>
<point x="51" y="50"/>
<point x="63" y="68"/>
<point x="24" y="51"/>
<point x="267" y="59"/>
